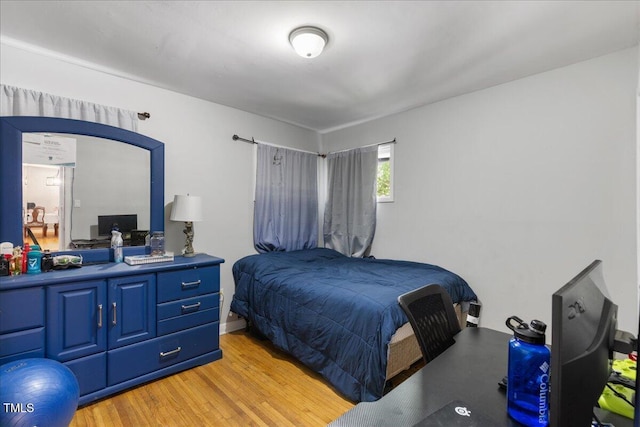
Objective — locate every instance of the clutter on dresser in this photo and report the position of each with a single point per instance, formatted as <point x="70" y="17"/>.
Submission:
<point x="61" y="262"/>
<point x="148" y="259"/>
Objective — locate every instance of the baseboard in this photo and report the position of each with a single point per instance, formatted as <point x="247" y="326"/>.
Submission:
<point x="232" y="326"/>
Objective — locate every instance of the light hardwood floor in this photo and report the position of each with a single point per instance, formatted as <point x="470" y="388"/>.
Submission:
<point x="253" y="384"/>
<point x="49" y="242"/>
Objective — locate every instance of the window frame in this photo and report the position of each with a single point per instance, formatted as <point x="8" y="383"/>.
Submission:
<point x="381" y="149"/>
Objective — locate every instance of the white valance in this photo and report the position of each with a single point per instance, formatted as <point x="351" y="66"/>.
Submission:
<point x="16" y="101"/>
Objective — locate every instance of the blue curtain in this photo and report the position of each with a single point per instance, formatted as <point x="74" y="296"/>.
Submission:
<point x="350" y="210"/>
<point x="286" y="206"/>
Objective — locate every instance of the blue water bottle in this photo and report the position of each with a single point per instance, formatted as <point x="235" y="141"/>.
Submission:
<point x="528" y="374"/>
<point x="34" y="258"/>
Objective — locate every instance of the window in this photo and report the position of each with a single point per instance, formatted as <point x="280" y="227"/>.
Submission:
<point x="385" y="173"/>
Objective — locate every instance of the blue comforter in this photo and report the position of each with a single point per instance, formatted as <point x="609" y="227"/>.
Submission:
<point x="334" y="313"/>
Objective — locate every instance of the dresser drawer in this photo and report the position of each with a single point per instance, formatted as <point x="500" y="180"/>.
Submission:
<point x="187" y="306"/>
<point x="187" y="283"/>
<point x="186" y="321"/>
<point x="89" y="372"/>
<point x="138" y="359"/>
<point x="175" y="316"/>
<point x="21" y="344"/>
<point x="21" y="309"/>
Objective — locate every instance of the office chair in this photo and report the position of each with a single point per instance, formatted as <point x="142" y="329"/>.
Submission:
<point x="432" y="317"/>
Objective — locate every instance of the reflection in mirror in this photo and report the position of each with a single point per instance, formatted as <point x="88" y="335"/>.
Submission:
<point x="42" y="194"/>
<point x="11" y="204"/>
<point x="78" y="184"/>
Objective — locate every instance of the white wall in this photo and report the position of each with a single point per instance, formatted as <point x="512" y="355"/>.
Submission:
<point x="200" y="156"/>
<point x="36" y="190"/>
<point x="107" y="180"/>
<point x="518" y="187"/>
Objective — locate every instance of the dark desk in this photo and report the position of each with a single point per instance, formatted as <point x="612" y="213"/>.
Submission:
<point x="468" y="371"/>
<point x="95" y="243"/>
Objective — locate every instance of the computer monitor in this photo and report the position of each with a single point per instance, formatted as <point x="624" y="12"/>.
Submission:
<point x="584" y="323"/>
<point x="125" y="223"/>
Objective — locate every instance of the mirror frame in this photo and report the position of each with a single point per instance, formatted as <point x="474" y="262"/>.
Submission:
<point x="11" y="130"/>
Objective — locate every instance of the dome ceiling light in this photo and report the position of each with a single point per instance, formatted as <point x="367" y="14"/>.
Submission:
<point x="308" y="42"/>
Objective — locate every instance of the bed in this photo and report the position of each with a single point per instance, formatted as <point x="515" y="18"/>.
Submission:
<point x="336" y="314"/>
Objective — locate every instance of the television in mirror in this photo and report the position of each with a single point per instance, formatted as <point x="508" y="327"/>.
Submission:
<point x="123" y="223"/>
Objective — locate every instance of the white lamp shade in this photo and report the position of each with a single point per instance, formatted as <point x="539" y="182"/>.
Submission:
<point x="308" y="42"/>
<point x="186" y="208"/>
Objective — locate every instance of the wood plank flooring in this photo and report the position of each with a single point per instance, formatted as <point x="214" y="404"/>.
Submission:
<point x="49" y="242"/>
<point x="253" y="384"/>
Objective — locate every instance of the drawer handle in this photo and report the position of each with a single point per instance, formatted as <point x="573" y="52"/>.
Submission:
<point x="195" y="284"/>
<point x="114" y="320"/>
<point x="192" y="307"/>
<point x="170" y="353"/>
<point x="99" y="315"/>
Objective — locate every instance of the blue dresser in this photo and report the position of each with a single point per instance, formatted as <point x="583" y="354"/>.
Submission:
<point x="115" y="325"/>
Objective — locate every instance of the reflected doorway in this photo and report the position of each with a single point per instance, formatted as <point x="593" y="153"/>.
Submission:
<point x="43" y="204"/>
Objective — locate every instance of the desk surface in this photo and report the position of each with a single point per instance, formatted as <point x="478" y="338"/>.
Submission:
<point x="468" y="371"/>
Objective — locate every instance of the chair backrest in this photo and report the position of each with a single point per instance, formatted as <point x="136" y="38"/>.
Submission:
<point x="432" y="317"/>
<point x="37" y="215"/>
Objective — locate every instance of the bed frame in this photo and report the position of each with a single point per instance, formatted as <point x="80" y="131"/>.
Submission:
<point x="404" y="350"/>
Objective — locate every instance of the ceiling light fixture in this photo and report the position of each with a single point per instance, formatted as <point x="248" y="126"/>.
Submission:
<point x="308" y="42"/>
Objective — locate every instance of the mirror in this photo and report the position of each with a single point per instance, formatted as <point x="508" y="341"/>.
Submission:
<point x="91" y="189"/>
<point x="75" y="183"/>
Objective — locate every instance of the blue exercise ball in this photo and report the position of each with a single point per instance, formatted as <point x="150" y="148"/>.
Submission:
<point x="37" y="392"/>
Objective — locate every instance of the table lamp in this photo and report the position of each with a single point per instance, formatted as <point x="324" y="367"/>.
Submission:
<point x="188" y="209"/>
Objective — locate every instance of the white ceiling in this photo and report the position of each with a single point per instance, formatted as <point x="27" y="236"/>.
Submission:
<point x="383" y="57"/>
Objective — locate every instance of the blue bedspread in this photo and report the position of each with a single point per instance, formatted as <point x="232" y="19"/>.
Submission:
<point x="334" y="313"/>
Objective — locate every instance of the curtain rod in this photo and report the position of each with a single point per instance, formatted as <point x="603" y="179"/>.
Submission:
<point x="253" y="141"/>
<point x="393" y="141"/>
<point x="250" y="141"/>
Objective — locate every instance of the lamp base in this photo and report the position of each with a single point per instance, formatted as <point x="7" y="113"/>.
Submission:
<point x="188" y="246"/>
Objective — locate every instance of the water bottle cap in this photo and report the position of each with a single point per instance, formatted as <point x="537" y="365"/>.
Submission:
<point x="525" y="333"/>
<point x="538" y="326"/>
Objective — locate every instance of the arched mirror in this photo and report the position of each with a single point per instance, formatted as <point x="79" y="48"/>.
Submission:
<point x="69" y="181"/>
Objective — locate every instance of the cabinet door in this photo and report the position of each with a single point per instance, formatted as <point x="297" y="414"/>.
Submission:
<point x="21" y="309"/>
<point x="132" y="309"/>
<point x="76" y="319"/>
